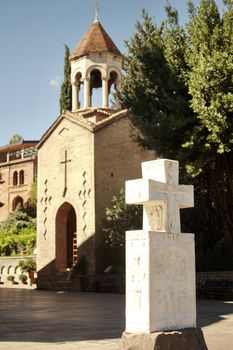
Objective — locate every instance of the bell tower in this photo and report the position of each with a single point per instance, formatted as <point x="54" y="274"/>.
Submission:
<point x="95" y="62"/>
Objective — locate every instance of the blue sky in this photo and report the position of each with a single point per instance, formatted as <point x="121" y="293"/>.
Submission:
<point x="32" y="34"/>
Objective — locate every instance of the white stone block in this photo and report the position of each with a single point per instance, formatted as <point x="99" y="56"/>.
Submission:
<point x="162" y="170"/>
<point x="160" y="281"/>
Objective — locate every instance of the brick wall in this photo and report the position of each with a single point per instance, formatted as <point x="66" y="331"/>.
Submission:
<point x="117" y="159"/>
<point x="78" y="142"/>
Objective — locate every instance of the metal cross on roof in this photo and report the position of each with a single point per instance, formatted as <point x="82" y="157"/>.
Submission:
<point x="97" y="10"/>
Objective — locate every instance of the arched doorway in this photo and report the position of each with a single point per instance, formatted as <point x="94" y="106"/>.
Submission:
<point x="17" y="203"/>
<point x="66" y="248"/>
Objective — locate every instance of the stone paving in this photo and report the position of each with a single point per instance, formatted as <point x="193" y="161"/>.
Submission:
<point x="32" y="319"/>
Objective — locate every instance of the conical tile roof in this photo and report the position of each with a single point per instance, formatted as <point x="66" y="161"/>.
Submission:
<point x="96" y="40"/>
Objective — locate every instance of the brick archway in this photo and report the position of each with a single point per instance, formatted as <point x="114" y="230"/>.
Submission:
<point x="66" y="249"/>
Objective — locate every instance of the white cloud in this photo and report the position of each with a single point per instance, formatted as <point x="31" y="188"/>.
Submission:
<point x="55" y="82"/>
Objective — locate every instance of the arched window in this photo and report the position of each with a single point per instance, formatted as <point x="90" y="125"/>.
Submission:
<point x="17" y="203"/>
<point x="15" y="178"/>
<point x="21" y="177"/>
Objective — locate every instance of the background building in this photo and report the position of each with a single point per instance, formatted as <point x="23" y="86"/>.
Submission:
<point x="18" y="171"/>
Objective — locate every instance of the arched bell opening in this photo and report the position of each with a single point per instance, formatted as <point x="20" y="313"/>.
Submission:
<point x="95" y="88"/>
<point x="66" y="246"/>
<point x="77" y="92"/>
<point x="113" y="89"/>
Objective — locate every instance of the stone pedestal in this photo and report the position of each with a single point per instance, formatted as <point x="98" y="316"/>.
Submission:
<point x="187" y="339"/>
<point x="160" y="265"/>
<point x="160" y="281"/>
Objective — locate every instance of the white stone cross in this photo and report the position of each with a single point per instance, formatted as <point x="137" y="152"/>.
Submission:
<point x="161" y="195"/>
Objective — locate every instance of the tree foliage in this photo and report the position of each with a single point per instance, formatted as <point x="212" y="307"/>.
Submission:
<point x="66" y="88"/>
<point x="179" y="88"/>
<point x="31" y="208"/>
<point x="16" y="220"/>
<point x="153" y="91"/>
<point x="120" y="218"/>
<point x="33" y="193"/>
<point x="15" y="139"/>
<point x="217" y="258"/>
<point x="28" y="265"/>
<point x="17" y="234"/>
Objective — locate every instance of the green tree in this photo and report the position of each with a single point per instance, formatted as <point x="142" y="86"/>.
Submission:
<point x="15" y="139"/>
<point x="210" y="82"/>
<point x="8" y="243"/>
<point x="16" y="220"/>
<point x="154" y="90"/>
<point x="178" y="87"/>
<point x="66" y="88"/>
<point x="120" y="218"/>
<point x="26" y="240"/>
<point x="33" y="193"/>
<point x="31" y="207"/>
<point x="17" y="234"/>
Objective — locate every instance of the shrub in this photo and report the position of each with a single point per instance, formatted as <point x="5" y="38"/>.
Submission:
<point x="26" y="240"/>
<point x="10" y="278"/>
<point x="28" y="265"/>
<point x="120" y="218"/>
<point x="17" y="234"/>
<point x="23" y="278"/>
<point x="16" y="220"/>
<point x="80" y="268"/>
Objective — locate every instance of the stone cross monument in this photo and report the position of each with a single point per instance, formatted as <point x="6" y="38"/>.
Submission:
<point x="160" y="261"/>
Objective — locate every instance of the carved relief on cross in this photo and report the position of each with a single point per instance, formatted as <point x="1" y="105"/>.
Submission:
<point x="161" y="195"/>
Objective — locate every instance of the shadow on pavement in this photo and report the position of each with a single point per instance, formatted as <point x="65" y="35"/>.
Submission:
<point x="212" y="311"/>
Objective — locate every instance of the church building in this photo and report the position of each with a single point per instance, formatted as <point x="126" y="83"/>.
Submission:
<point x="84" y="159"/>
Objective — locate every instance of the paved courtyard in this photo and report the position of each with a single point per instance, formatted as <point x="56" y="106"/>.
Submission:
<point x="32" y="319"/>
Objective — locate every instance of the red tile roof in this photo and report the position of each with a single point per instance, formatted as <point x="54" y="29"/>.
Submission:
<point x="14" y="147"/>
<point x="96" y="40"/>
